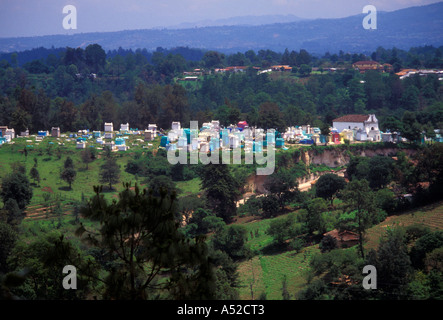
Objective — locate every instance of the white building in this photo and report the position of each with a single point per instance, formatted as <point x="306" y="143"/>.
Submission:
<point x="216" y="125"/>
<point x="387" y="137"/>
<point x="124" y="127"/>
<point x="153" y="128"/>
<point x="109" y="127"/>
<point x="361" y="135"/>
<point x="176" y="126"/>
<point x="374" y="135"/>
<point x="366" y="122"/>
<point x="10" y="132"/>
<point x="149" y="135"/>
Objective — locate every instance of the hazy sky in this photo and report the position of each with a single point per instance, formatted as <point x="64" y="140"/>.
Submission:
<point x="44" y="17"/>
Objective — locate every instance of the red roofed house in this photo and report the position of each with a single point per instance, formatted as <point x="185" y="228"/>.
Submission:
<point x="367" y="123"/>
<point x="345" y="239"/>
<point x="281" y="68"/>
<point x="364" y="66"/>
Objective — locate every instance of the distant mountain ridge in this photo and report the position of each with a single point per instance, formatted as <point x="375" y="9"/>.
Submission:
<point x="405" y="28"/>
<point x="239" y="21"/>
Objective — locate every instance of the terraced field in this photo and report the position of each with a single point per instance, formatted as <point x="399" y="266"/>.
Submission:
<point x="266" y="273"/>
<point x="41" y="212"/>
<point x="430" y="216"/>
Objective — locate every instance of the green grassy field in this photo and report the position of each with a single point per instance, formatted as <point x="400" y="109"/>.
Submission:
<point x="265" y="273"/>
<point x="51" y="154"/>
<point x="188" y="187"/>
<point x="267" y="269"/>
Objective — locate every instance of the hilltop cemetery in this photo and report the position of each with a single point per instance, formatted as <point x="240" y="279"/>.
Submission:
<point x="211" y="136"/>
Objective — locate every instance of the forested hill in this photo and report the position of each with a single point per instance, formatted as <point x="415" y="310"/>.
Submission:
<point x="406" y="28"/>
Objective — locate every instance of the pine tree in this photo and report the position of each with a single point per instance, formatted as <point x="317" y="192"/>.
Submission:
<point x="358" y="196"/>
<point x="221" y="190"/>
<point x="35" y="174"/>
<point x="110" y="172"/>
<point x="140" y="232"/>
<point x="68" y="174"/>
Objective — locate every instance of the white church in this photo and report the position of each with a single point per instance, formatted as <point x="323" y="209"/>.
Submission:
<point x="364" y="126"/>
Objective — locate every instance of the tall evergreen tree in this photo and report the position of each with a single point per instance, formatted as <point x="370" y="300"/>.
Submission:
<point x="141" y="232"/>
<point x="221" y="190"/>
<point x="359" y="197"/>
<point x="68" y="173"/>
<point x="110" y="172"/>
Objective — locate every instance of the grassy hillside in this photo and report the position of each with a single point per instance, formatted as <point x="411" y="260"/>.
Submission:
<point x="265" y="271"/>
<point x="430" y="216"/>
<point x="51" y="154"/>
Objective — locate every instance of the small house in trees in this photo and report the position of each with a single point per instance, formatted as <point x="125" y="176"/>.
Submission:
<point x="281" y="68"/>
<point x="109" y="127"/>
<point x="55" y="132"/>
<point x="345" y="238"/>
<point x="363" y="66"/>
